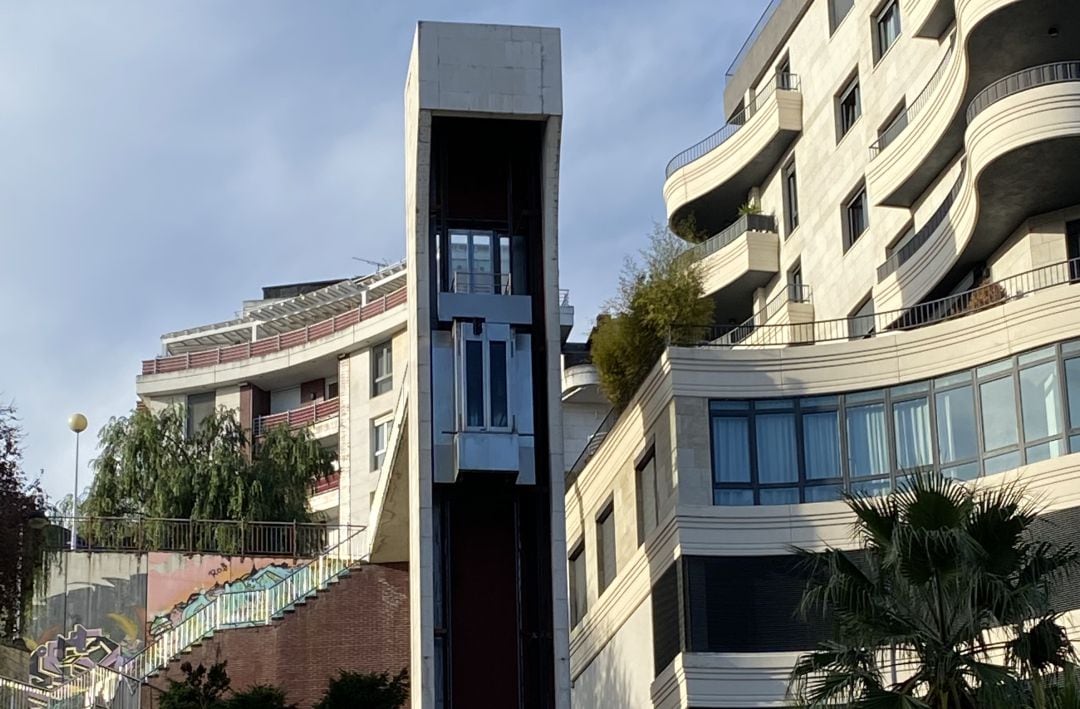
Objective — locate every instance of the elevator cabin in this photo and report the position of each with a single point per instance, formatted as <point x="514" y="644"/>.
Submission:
<point x="491" y="511"/>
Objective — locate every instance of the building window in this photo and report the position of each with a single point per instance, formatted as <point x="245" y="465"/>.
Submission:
<point x="579" y="588"/>
<point x="994" y="418"/>
<point x="485" y="387"/>
<point x="648" y="496"/>
<point x="332" y="389"/>
<point x="848" y="107"/>
<point x="861" y="322"/>
<point x="382" y="368"/>
<point x="791" y="198"/>
<point x="605" y="542"/>
<point x="856" y="217"/>
<point x="887" y="27"/>
<point x="838" y="10"/>
<point x="380" y="438"/>
<point x="796" y="289"/>
<point x="199" y="408"/>
<point x="479" y="262"/>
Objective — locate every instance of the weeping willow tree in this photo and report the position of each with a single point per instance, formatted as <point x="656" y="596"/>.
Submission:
<point x="149" y="466"/>
<point x="23" y="556"/>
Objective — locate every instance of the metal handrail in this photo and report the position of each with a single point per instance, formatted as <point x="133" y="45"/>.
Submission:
<point x="917" y="316"/>
<point x="904" y="254"/>
<point x="791" y="293"/>
<point x="564" y="297"/>
<point x="754" y="33"/>
<point x="909" y="113"/>
<point x="297" y="418"/>
<point x="1042" y="75"/>
<point x="187" y="536"/>
<point x="246" y="608"/>
<point x="486" y="282"/>
<point x="593" y="445"/>
<point x="742" y="225"/>
<point x="96" y="687"/>
<point x="784" y="81"/>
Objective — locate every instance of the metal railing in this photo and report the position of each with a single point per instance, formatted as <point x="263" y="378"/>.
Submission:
<point x="246" y="608"/>
<point x="482" y="283"/>
<point x="275" y="343"/>
<point x="791" y="293"/>
<point x="742" y="225"/>
<point x="591" y="446"/>
<point x="97" y="688"/>
<point x="783" y="81"/>
<point x="912" y="110"/>
<point x="904" y="254"/>
<point x="297" y="418"/>
<point x="754" y="34"/>
<point x="951" y="307"/>
<point x="564" y="297"/>
<point x="195" y="536"/>
<point x="1053" y="73"/>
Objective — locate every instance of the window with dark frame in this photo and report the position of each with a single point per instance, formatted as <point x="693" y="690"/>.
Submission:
<point x="648" y="496"/>
<point x="606" y="562"/>
<point x="861" y="321"/>
<point x="579" y="587"/>
<point x="791" y="198"/>
<point x="838" y="10"/>
<point x="199" y="408"/>
<point x="484" y="380"/>
<point x="382" y="368"/>
<point x="848" y="107"/>
<point x="795" y="283"/>
<point x="980" y="421"/>
<point x="380" y="436"/>
<point x="887" y="28"/>
<point x="856" y="217"/>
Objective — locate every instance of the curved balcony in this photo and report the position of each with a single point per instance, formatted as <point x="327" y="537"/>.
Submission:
<point x="993" y="39"/>
<point x="710" y="180"/>
<point x="1023" y="143"/>
<point x="739" y="259"/>
<point x="301" y="417"/>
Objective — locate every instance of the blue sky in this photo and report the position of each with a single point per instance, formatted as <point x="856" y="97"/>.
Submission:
<point x="162" y="161"/>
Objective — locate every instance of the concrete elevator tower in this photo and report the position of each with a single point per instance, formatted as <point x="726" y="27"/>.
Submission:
<point x="483" y="114"/>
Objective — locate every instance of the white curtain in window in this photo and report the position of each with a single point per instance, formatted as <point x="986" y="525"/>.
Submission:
<point x="867" y="441"/>
<point x="1040" y="403"/>
<point x="731" y="449"/>
<point x="913" y="446"/>
<point x="821" y="445"/>
<point x="956" y="425"/>
<point x="776" y="459"/>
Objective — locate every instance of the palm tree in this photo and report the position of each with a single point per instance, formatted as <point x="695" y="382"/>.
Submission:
<point x="945" y="606"/>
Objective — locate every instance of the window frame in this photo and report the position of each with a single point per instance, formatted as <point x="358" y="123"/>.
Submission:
<point x="502" y="334"/>
<point x="577" y="585"/>
<point x="382" y="382"/>
<point x="849" y="89"/>
<point x="834" y="21"/>
<point x="191" y="427"/>
<point x="606" y="516"/>
<point x="790" y="187"/>
<point x="881" y="48"/>
<point x="856" y="195"/>
<point x="377" y="456"/>
<point x="646" y="461"/>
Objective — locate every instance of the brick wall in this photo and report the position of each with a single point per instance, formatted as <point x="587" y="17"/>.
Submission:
<point x="359" y="624"/>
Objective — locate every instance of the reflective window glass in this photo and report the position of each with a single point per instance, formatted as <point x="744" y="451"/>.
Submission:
<point x="821" y="445"/>
<point x="1072" y="384"/>
<point x="779" y="496"/>
<point x="777" y="461"/>
<point x="912" y="423"/>
<point x="731" y="449"/>
<point x="1039" y="401"/>
<point x="1045" y="451"/>
<point x="868" y="448"/>
<point x="967" y="471"/>
<point x="956" y="425"/>
<point x="733" y="497"/>
<point x="1002" y="463"/>
<point x="998" y="400"/>
<point x="823" y="493"/>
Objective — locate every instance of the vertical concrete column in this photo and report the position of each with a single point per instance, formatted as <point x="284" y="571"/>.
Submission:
<point x="345" y="432"/>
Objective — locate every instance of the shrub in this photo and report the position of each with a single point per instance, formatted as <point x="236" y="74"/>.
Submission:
<point x="260" y="696"/>
<point x="201" y="688"/>
<point x="375" y="690"/>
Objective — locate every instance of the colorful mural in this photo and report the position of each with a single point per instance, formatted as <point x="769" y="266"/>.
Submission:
<point x="78" y="651"/>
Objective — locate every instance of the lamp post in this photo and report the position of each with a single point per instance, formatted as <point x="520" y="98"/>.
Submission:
<point x="77" y="423"/>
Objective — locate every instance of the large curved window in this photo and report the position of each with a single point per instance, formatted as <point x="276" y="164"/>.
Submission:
<point x="982" y="421"/>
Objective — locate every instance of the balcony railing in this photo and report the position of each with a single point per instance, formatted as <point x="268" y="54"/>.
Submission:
<point x="784" y="81"/>
<point x="592" y="446"/>
<point x="917" y="316"/>
<point x="330" y="482"/>
<point x="277" y="343"/>
<point x="564" y="297"/>
<point x="297" y="418"/>
<point x="745" y="223"/>
<point x="1055" y="73"/>
<point x="909" y="113"/>
<point x="791" y="293"/>
<point x="481" y="283"/>
<point x="905" y="253"/>
<point x="199" y="536"/>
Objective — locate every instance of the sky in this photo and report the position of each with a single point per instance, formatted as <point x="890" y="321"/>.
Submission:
<point x="162" y="161"/>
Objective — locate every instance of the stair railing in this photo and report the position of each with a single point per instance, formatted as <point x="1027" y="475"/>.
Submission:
<point x="97" y="688"/>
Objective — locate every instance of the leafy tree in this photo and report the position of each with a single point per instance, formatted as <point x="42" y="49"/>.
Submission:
<point x="148" y="466"/>
<point x="376" y="690"/>
<point x="659" y="296"/>
<point x="260" y="696"/>
<point x="953" y="582"/>
<point x="201" y="688"/>
<point x="23" y="557"/>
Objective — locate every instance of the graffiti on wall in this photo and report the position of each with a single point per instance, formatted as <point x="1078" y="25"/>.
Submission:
<point x="66" y="655"/>
<point x="257" y="579"/>
<point x="106" y="592"/>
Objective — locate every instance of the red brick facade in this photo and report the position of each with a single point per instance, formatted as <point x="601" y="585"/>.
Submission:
<point x="360" y="624"/>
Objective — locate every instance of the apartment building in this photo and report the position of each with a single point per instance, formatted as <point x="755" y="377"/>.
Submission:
<point x="437" y="380"/>
<point x="889" y="225"/>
